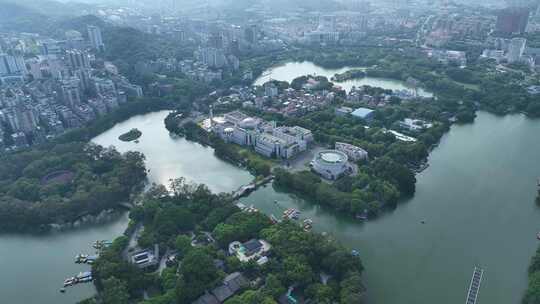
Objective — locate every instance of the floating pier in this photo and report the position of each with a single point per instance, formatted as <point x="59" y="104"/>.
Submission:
<point x="474" y="287"/>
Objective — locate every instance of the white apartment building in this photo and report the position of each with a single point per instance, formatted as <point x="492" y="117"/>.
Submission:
<point x="353" y="152"/>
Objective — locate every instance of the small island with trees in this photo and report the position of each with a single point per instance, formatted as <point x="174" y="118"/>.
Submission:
<point x="349" y="75"/>
<point x="132" y="135"/>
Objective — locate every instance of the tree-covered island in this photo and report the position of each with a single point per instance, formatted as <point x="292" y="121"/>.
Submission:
<point x="131" y="135"/>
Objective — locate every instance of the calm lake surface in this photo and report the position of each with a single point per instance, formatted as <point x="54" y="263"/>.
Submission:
<point x="170" y="157"/>
<point x="477" y="199"/>
<point x="34" y="267"/>
<point x="291" y="70"/>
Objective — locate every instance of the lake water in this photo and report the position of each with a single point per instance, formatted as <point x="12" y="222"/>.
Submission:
<point x="477" y="199"/>
<point x="291" y="70"/>
<point x="34" y="267"/>
<point x="172" y="157"/>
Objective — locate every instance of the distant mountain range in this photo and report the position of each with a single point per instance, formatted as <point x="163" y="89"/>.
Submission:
<point x="26" y="16"/>
<point x="50" y="7"/>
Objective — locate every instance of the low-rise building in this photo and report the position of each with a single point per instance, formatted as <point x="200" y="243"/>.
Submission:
<point x="232" y="284"/>
<point x="353" y="152"/>
<point x="330" y="164"/>
<point x="343" y="111"/>
<point x="447" y="56"/>
<point x="414" y="125"/>
<point x="363" y="113"/>
<point x="265" y="138"/>
<point x="145" y="258"/>
<point x="270" y="146"/>
<point x="19" y="139"/>
<point x="251" y="250"/>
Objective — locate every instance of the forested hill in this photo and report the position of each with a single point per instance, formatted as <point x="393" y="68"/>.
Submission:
<point x="16" y="17"/>
<point x="36" y="16"/>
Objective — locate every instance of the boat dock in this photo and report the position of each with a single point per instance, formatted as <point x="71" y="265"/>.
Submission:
<point x="474" y="287"/>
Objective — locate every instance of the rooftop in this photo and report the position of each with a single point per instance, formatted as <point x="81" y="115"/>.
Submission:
<point x="332" y="156"/>
<point x="362" y="112"/>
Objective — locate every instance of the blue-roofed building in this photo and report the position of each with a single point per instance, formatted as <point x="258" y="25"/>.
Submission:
<point x="363" y="113"/>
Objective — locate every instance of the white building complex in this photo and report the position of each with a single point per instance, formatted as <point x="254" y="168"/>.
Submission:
<point x="330" y="164"/>
<point x="265" y="137"/>
<point x="353" y="152"/>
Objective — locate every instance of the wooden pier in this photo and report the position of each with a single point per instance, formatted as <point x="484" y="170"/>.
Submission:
<point x="474" y="287"/>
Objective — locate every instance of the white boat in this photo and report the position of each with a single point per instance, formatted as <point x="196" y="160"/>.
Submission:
<point x="307" y="224"/>
<point x="274" y="219"/>
<point x="81" y="258"/>
<point x="70" y="281"/>
<point x="84" y="277"/>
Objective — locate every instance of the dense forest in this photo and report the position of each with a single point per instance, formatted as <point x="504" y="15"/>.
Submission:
<point x="532" y="295"/>
<point x="60" y="183"/>
<point x="174" y="220"/>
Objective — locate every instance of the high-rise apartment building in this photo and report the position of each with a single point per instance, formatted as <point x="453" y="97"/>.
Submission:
<point x="78" y="59"/>
<point x="94" y="34"/>
<point x="516" y="49"/>
<point x="12" y="65"/>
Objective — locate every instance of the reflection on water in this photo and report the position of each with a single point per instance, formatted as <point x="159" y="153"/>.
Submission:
<point x="169" y="157"/>
<point x="291" y="70"/>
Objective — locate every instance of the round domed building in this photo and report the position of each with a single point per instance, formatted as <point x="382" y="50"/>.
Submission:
<point x="331" y="164"/>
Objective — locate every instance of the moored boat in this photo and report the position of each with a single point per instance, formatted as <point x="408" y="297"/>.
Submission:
<point x="274" y="219"/>
<point x="307" y="224"/>
<point x="291" y="213"/>
<point x="101" y="244"/>
<point x="81" y="258"/>
<point x="70" y="281"/>
<point x="362" y="216"/>
<point x="84" y="277"/>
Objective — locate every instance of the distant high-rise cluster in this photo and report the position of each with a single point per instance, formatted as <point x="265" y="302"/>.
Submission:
<point x="512" y="20"/>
